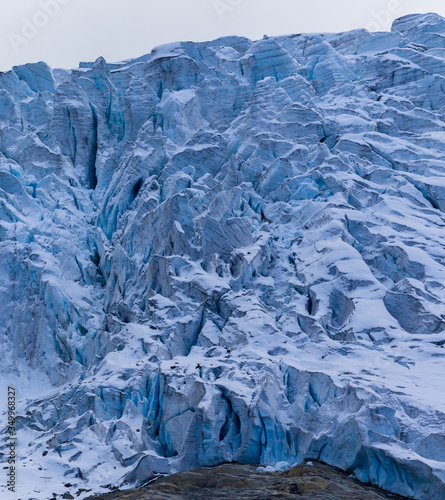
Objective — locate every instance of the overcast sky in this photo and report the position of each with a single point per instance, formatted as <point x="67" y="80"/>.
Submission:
<point x="65" y="32"/>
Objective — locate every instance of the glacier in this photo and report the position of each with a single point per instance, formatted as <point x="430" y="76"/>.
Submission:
<point x="230" y="251"/>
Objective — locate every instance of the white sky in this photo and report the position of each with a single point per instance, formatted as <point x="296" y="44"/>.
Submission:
<point x="82" y="30"/>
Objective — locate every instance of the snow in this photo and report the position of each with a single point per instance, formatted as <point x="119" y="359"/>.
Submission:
<point x="227" y="251"/>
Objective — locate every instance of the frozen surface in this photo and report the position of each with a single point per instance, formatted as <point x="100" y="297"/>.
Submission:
<point x="228" y="251"/>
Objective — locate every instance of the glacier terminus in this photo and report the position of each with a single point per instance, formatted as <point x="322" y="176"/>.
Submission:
<point x="228" y="251"/>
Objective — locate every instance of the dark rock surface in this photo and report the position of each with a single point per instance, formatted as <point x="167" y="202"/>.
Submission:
<point x="233" y="481"/>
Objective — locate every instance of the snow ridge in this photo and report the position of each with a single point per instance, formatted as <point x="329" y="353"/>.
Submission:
<point x="228" y="251"/>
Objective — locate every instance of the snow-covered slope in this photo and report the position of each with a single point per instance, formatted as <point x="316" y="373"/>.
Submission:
<point x="228" y="251"/>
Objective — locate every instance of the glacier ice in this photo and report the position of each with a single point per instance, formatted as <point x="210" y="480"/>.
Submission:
<point x="228" y="251"/>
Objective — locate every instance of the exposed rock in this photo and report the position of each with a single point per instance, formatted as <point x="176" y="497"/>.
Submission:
<point x="315" y="481"/>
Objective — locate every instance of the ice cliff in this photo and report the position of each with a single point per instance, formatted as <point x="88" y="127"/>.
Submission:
<point x="230" y="251"/>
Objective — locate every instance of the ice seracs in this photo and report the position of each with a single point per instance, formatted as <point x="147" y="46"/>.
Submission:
<point x="228" y="251"/>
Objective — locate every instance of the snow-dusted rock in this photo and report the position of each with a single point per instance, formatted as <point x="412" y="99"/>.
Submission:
<point x="228" y="251"/>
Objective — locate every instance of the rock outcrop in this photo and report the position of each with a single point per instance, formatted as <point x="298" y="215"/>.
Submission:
<point x="312" y="481"/>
